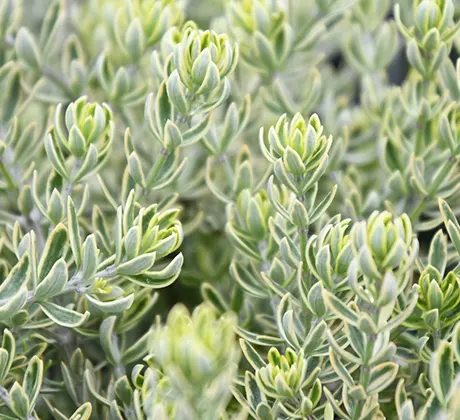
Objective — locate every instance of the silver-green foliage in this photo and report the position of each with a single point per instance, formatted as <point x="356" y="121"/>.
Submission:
<point x="287" y="172"/>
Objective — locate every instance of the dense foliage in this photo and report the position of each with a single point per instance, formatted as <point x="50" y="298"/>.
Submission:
<point x="229" y="209"/>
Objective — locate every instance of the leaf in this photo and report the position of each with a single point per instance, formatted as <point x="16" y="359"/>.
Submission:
<point x="211" y="295"/>
<point x="437" y="256"/>
<point x="259" y="339"/>
<point x="7" y="353"/>
<point x="253" y="392"/>
<point x="54" y="250"/>
<point x="138" y="350"/>
<point x="63" y="316"/>
<point x="381" y="377"/>
<point x="195" y="133"/>
<point x="89" y="382"/>
<point x="55" y="156"/>
<point x="9" y="309"/>
<point x="335" y="404"/>
<point x="137" y="265"/>
<point x="26" y="48"/>
<point x="19" y="401"/>
<point x="442" y="371"/>
<point x="33" y="379"/>
<point x="17" y="278"/>
<point x="109" y="340"/>
<point x="124" y="391"/>
<point x="251" y="355"/>
<point x="82" y="413"/>
<point x="342" y="311"/>
<point x="112" y="306"/>
<point x="90" y="260"/>
<point x="54" y="282"/>
<point x="69" y="383"/>
<point x="162" y="278"/>
<point x="340" y="369"/>
<point x="407" y="411"/>
<point x="315" y="338"/>
<point x="74" y="231"/>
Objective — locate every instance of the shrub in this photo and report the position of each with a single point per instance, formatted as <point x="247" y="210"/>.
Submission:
<point x="229" y="209"/>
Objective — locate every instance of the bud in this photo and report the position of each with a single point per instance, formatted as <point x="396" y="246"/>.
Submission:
<point x="284" y="375"/>
<point x="139" y="25"/>
<point x="329" y="253"/>
<point x="144" y="238"/>
<point x="252" y="16"/>
<point x="427" y="16"/>
<point x="200" y="347"/>
<point x="433" y="22"/>
<point x="438" y="294"/>
<point x="82" y="124"/>
<point x="384" y="243"/>
<point x="263" y="31"/>
<point x="300" y="144"/>
<point x="255" y="212"/>
<point x="204" y="60"/>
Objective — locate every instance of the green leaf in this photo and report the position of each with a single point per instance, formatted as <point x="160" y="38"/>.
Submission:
<point x="437" y="256"/>
<point x="109" y="340"/>
<point x="112" y="306"/>
<point x="442" y="372"/>
<point x="4" y="364"/>
<point x="55" y="156"/>
<point x="9" y="309"/>
<point x="63" y="316"/>
<point x="54" y="250"/>
<point x="251" y="355"/>
<point x="90" y="260"/>
<point x="341" y="370"/>
<point x="176" y="93"/>
<point x="54" y="282"/>
<point x="342" y="311"/>
<point x="197" y="132"/>
<point x="315" y="338"/>
<point x="407" y="411"/>
<point x="124" y="391"/>
<point x="138" y="350"/>
<point x="336" y="406"/>
<point x="253" y="392"/>
<point x="381" y="377"/>
<point x="137" y="265"/>
<point x="82" y="413"/>
<point x="74" y="231"/>
<point x="17" y="278"/>
<point x="19" y="401"/>
<point x="259" y="339"/>
<point x="162" y="278"/>
<point x="211" y="295"/>
<point x="33" y="379"/>
<point x="27" y="49"/>
<point x="7" y="353"/>
<point x="115" y="413"/>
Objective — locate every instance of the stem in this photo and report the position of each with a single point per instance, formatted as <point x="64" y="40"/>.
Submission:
<point x="303" y="236"/>
<point x="451" y="162"/>
<point x="110" y="271"/>
<point x="5" y="396"/>
<point x="227" y="166"/>
<point x="151" y="178"/>
<point x="436" y="338"/>
<point x="70" y="183"/>
<point x="6" y="174"/>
